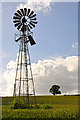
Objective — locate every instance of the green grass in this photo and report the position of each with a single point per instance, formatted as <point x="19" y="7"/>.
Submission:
<point x="62" y="107"/>
<point x="72" y="100"/>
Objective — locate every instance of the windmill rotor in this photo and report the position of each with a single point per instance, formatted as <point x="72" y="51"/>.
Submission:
<point x="24" y="19"/>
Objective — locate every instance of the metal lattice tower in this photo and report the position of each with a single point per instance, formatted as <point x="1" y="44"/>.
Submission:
<point x="24" y="20"/>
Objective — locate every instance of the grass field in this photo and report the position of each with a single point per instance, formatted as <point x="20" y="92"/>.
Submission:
<point x="63" y="107"/>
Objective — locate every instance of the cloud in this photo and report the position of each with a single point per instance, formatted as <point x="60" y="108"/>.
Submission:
<point x="75" y="45"/>
<point x="76" y="48"/>
<point x="11" y="65"/>
<point x="61" y="71"/>
<point x="37" y="5"/>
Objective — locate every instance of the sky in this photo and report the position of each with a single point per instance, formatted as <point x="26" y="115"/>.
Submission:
<point x="54" y="57"/>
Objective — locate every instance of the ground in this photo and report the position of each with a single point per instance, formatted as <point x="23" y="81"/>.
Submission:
<point x="63" y="107"/>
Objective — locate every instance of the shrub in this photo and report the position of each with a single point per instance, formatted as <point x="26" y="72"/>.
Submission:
<point x="46" y="106"/>
<point x="20" y="104"/>
<point x="38" y="106"/>
<point x="17" y="104"/>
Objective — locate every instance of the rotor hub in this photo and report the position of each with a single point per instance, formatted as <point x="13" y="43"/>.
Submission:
<point x="24" y="20"/>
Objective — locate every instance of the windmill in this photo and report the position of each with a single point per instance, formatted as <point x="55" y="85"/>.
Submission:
<point x="24" y="20"/>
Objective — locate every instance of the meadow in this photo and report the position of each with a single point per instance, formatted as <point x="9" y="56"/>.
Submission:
<point x="63" y="107"/>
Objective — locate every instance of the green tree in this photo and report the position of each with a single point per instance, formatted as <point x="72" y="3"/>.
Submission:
<point x="55" y="89"/>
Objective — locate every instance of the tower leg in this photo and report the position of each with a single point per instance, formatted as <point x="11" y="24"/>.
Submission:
<point x="31" y="76"/>
<point x="20" y="69"/>
<point x="14" y="94"/>
<point x="26" y="72"/>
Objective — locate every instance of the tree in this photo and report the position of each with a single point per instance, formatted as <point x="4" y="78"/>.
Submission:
<point x="55" y="89"/>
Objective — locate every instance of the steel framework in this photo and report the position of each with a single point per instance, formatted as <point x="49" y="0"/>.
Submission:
<point x="24" y="84"/>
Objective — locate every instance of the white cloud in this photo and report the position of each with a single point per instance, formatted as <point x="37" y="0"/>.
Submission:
<point x="11" y="65"/>
<point x="37" y="5"/>
<point x="61" y="71"/>
<point x="73" y="91"/>
<point x="75" y="45"/>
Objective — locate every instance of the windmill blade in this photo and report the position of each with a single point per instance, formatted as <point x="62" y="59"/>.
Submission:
<point x="18" y="39"/>
<point x="16" y="21"/>
<point x="32" y="16"/>
<point x="32" y="42"/>
<point x="28" y="28"/>
<point x="31" y="13"/>
<point x="25" y="11"/>
<point x="32" y="24"/>
<point x="28" y="12"/>
<point x="33" y="19"/>
<point x="19" y="12"/>
<point x="17" y="15"/>
<point x="17" y="24"/>
<point x="22" y="11"/>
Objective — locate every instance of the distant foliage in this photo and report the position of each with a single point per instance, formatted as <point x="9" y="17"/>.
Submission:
<point x="55" y="89"/>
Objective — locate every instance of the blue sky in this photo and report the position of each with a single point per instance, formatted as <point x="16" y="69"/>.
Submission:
<point x="54" y="34"/>
<point x="54" y="57"/>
